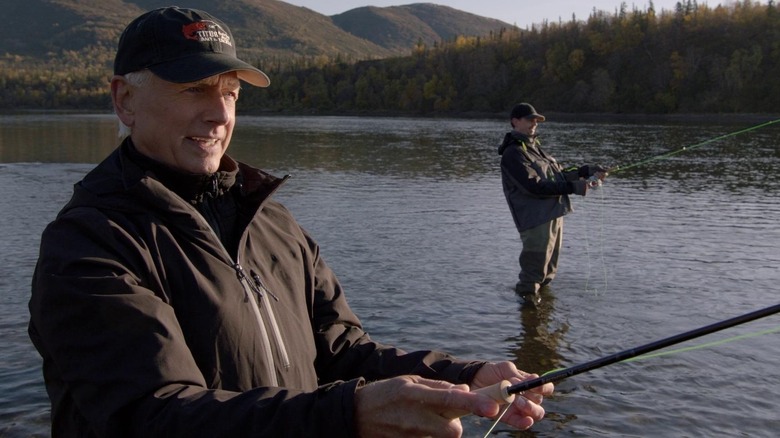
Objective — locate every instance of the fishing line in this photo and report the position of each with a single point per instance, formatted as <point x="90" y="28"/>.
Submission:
<point x="498" y="419"/>
<point x="689" y="147"/>
<point x="599" y="205"/>
<point x="619" y="168"/>
<point x="691" y="348"/>
<point x="652" y="356"/>
<point x="703" y="346"/>
<point x="655" y="355"/>
<point x="503" y="392"/>
<point x="643" y="349"/>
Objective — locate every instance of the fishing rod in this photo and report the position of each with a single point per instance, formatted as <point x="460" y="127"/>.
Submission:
<point x="504" y="392"/>
<point x="689" y="147"/>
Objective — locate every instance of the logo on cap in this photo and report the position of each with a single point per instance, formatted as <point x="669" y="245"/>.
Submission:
<point x="206" y="32"/>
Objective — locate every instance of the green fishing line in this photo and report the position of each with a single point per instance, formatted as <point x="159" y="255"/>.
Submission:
<point x="687" y="148"/>
<point x="691" y="348"/>
<point x="654" y="355"/>
<point x="702" y="346"/>
<point x="637" y="164"/>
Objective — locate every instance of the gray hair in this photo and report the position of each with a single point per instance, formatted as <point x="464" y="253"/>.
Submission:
<point x="137" y="79"/>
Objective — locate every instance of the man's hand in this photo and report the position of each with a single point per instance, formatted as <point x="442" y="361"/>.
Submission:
<point x="580" y="187"/>
<point x="601" y="175"/>
<point x="410" y="406"/>
<point x="526" y="408"/>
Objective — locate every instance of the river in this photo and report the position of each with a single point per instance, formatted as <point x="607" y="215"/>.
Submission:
<point x="410" y="215"/>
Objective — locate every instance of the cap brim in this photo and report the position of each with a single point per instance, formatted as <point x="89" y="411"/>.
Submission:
<point x="203" y="65"/>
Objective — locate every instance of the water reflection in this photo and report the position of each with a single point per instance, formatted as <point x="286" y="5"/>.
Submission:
<point x="537" y="347"/>
<point x="457" y="150"/>
<point x="62" y="138"/>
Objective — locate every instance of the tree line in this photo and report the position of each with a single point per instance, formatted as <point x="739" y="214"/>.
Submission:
<point x="694" y="59"/>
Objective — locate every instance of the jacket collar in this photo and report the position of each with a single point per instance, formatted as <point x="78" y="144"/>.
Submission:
<point x="190" y="187"/>
<point x="120" y="183"/>
<point x="514" y="137"/>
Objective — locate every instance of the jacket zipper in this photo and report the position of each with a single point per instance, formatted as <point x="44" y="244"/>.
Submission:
<point x="254" y="296"/>
<point x="256" y="293"/>
<point x="261" y="292"/>
<point x="249" y="290"/>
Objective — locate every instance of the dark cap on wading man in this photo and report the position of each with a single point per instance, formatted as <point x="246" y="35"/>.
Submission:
<point x="525" y="111"/>
<point x="182" y="45"/>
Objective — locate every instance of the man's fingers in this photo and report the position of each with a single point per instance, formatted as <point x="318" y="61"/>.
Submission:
<point x="455" y="401"/>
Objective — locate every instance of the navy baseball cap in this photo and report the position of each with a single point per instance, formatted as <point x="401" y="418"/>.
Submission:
<point x="182" y="45"/>
<point x="525" y="111"/>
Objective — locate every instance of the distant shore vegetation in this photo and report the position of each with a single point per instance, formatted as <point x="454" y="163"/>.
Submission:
<point x="694" y="59"/>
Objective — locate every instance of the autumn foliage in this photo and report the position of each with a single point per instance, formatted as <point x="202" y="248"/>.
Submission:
<point x="695" y="59"/>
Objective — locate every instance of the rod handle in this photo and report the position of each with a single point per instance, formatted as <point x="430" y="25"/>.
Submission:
<point x="497" y="392"/>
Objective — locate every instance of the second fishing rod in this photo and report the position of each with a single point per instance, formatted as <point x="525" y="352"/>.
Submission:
<point x="687" y="148"/>
<point x="620" y="168"/>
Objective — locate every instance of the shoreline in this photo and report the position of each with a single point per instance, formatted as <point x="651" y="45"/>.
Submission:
<point x="552" y="116"/>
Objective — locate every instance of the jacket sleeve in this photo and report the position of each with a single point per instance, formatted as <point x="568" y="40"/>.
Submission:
<point x="116" y="360"/>
<point x="345" y="351"/>
<point x="589" y="170"/>
<point x="516" y="167"/>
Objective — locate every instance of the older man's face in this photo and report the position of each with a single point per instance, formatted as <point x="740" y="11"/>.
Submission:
<point x="186" y="126"/>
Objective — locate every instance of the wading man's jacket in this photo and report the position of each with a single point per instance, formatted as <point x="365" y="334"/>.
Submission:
<point x="535" y="185"/>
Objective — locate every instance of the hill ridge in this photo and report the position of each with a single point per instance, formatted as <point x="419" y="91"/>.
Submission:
<point x="267" y="30"/>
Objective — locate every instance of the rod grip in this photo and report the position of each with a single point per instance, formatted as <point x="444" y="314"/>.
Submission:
<point x="497" y="392"/>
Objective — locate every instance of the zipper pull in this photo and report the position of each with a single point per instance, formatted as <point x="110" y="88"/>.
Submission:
<point x="214" y="185"/>
<point x="262" y="287"/>
<point x="239" y="271"/>
<point x="244" y="279"/>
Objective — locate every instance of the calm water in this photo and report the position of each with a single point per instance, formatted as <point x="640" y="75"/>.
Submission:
<point x="411" y="216"/>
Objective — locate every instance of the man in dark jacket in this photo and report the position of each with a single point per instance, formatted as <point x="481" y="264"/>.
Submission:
<point x="537" y="190"/>
<point x="174" y="297"/>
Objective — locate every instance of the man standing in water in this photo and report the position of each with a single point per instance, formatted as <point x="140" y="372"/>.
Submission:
<point x="173" y="296"/>
<point x="537" y="190"/>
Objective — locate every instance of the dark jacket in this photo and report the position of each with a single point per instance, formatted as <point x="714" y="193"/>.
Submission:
<point x="536" y="187"/>
<point x="149" y="326"/>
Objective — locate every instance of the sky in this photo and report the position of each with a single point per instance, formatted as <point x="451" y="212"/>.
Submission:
<point x="520" y="13"/>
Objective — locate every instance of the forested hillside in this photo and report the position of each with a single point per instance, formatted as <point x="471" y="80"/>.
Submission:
<point x="695" y="59"/>
<point x="401" y="27"/>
